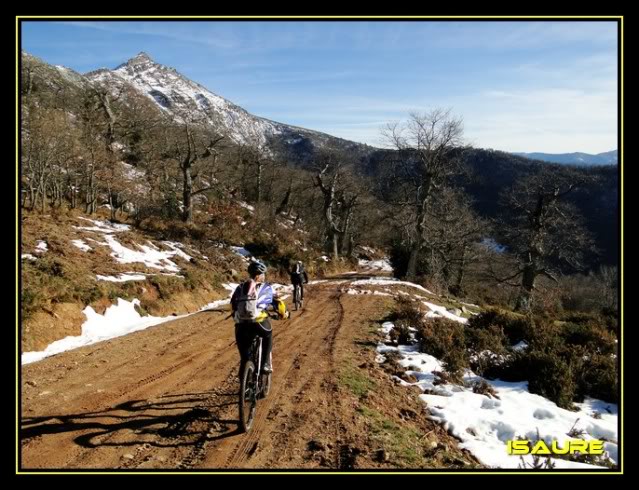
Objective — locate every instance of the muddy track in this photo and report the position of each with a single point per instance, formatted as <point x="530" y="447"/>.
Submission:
<point x="170" y="400"/>
<point x="166" y="397"/>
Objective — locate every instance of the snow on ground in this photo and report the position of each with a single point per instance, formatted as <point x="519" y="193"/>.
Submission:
<point x="103" y="226"/>
<point x="520" y="346"/>
<point x="41" y="247"/>
<point x="149" y="256"/>
<point x="324" y="258"/>
<point x="484" y="424"/>
<point x="177" y="248"/>
<point x="380" y="265"/>
<point x="364" y="291"/>
<point x="323" y="281"/>
<point x="247" y="206"/>
<point x="390" y="282"/>
<point x="122" y="277"/>
<point x="468" y="304"/>
<point x="241" y="251"/>
<point x="81" y="245"/>
<point x="118" y="320"/>
<point x="437" y="310"/>
<point x="28" y="257"/>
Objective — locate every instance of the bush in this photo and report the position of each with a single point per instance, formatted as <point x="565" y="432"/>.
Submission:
<point x="552" y="377"/>
<point x="29" y="302"/>
<point x="594" y="337"/>
<point x="445" y="340"/>
<point x="479" y="342"/>
<point x="400" y="334"/>
<point x="599" y="379"/>
<point x="408" y="310"/>
<point x="481" y="387"/>
<point x="515" y="327"/>
<point x="51" y="267"/>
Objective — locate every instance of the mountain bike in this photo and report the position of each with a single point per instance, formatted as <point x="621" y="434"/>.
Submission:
<point x="254" y="384"/>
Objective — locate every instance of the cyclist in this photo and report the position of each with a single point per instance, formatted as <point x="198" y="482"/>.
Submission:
<point x="299" y="277"/>
<point x="250" y="303"/>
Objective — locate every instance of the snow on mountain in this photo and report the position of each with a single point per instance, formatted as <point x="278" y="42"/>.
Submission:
<point x="183" y="99"/>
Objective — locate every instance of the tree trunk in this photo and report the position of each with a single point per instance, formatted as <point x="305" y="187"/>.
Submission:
<point x="351" y="245"/>
<point x="460" y="274"/>
<point x="259" y="184"/>
<point x="524" y="301"/>
<point x="411" y="270"/>
<point x="186" y="194"/>
<point x="280" y="209"/>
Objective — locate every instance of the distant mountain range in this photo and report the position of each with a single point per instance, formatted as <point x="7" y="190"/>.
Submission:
<point x="607" y="158"/>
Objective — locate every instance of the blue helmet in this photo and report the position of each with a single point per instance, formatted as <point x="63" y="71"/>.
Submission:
<point x="256" y="268"/>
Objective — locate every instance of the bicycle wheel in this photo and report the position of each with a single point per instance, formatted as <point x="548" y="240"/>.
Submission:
<point x="266" y="384"/>
<point x="248" y="396"/>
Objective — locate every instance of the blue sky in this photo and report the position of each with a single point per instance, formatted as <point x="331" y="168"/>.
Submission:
<point x="519" y="86"/>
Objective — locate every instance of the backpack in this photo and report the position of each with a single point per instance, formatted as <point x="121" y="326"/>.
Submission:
<point x="247" y="302"/>
<point x="280" y="307"/>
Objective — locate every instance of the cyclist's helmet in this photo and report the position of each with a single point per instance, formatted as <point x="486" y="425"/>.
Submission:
<point x="256" y="268"/>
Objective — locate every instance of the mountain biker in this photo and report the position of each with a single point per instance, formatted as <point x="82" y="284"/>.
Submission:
<point x="299" y="277"/>
<point x="258" y="295"/>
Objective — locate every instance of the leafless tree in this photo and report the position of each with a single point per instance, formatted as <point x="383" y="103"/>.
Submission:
<point x="544" y="230"/>
<point x="427" y="149"/>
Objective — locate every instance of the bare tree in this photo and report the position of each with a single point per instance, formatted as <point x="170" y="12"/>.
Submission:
<point x="544" y="230"/>
<point x="340" y="196"/>
<point x="427" y="147"/>
<point x="451" y="234"/>
<point x="196" y="151"/>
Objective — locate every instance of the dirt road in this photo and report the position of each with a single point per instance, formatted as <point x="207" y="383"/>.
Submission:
<point x="166" y="397"/>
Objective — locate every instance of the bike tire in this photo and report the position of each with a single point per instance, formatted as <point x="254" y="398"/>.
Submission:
<point x="248" y="396"/>
<point x="266" y="384"/>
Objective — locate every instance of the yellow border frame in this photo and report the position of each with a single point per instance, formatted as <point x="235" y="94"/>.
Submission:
<point x="318" y="17"/>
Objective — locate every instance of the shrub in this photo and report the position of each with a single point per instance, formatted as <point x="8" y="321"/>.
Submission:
<point x="400" y="334"/>
<point x="481" y="387"/>
<point x="598" y="378"/>
<point x="29" y="302"/>
<point x="515" y="327"/>
<point x="445" y="340"/>
<point x="408" y="310"/>
<point x="592" y="336"/>
<point x="486" y="347"/>
<point x="552" y="377"/>
<point x="51" y="267"/>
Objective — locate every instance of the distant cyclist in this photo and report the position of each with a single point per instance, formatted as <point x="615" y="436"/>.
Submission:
<point x="250" y="302"/>
<point x="299" y="277"/>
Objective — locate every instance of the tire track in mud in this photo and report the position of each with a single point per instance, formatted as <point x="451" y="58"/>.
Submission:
<point x="316" y="374"/>
<point x="251" y="442"/>
<point x="198" y="431"/>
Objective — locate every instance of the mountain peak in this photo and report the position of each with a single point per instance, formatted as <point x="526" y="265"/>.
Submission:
<point x="140" y="59"/>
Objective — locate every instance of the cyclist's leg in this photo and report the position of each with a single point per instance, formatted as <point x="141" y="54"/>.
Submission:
<point x="243" y="337"/>
<point x="302" y="290"/>
<point x="266" y="332"/>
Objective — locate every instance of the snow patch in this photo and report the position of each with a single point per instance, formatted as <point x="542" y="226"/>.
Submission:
<point x="484" y="424"/>
<point x="122" y="278"/>
<point x="41" y="247"/>
<point x="81" y="245"/>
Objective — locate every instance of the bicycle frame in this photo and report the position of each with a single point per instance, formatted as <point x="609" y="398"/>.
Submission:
<point x="252" y="384"/>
